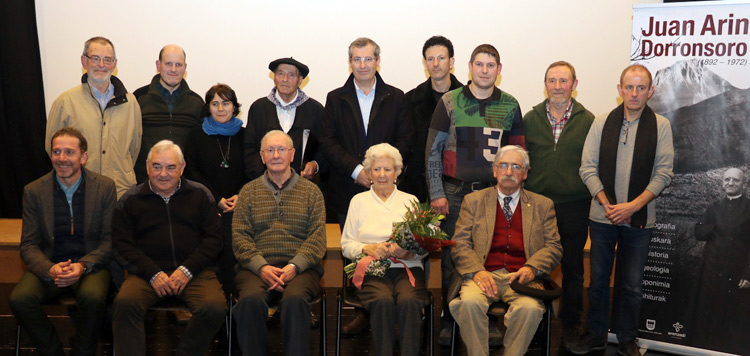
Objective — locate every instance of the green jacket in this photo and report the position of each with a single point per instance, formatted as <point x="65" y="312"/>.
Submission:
<point x="554" y="167"/>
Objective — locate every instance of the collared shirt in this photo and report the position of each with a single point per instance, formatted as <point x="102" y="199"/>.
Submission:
<point x="365" y="106"/>
<point x="103" y="98"/>
<point x="166" y="198"/>
<point x="365" y="102"/>
<point x="70" y="191"/>
<point x="286" y="113"/>
<point x="169" y="97"/>
<point x="557" y="127"/>
<point x="286" y="183"/>
<point x="513" y="203"/>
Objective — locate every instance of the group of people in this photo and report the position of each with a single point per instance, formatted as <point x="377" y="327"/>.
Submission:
<point x="171" y="188"/>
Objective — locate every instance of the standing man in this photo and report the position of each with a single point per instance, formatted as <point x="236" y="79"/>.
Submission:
<point x="103" y="110"/>
<point x="364" y="112"/>
<point x="66" y="245"/>
<point x="555" y="132"/>
<point x="724" y="270"/>
<point x="170" y="109"/>
<point x="623" y="210"/>
<point x="468" y="126"/>
<point x="437" y="57"/>
<point x="289" y="109"/>
<point x="504" y="234"/>
<point x="279" y="238"/>
<point x="167" y="234"/>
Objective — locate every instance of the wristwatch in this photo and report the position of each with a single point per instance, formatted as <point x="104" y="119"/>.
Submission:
<point x="296" y="269"/>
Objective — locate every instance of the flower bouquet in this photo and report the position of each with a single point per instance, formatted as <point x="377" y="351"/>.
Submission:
<point x="419" y="233"/>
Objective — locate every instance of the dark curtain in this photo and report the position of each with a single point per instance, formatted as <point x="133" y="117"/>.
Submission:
<point x="22" y="109"/>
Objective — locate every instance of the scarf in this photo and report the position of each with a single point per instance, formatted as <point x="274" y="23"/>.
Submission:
<point x="229" y="128"/>
<point x="301" y="99"/>
<point x="644" y="154"/>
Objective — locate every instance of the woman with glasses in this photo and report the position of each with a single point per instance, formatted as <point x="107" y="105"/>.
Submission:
<point x="214" y="158"/>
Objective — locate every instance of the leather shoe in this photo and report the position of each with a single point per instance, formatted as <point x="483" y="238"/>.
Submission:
<point x="588" y="342"/>
<point x="496" y="337"/>
<point x="629" y="348"/>
<point x="444" y="339"/>
<point x="359" y="323"/>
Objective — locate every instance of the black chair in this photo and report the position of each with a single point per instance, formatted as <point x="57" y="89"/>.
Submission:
<point x="346" y="295"/>
<point x="320" y="299"/>
<point x="550" y="293"/>
<point x="174" y="304"/>
<point x="67" y="300"/>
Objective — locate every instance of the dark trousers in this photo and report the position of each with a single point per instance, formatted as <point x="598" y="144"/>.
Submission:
<point x="203" y="297"/>
<point x="252" y="310"/>
<point x="632" y="253"/>
<point x="31" y="292"/>
<point x="392" y="300"/>
<point x="455" y="195"/>
<point x="227" y="262"/>
<point x="573" y="225"/>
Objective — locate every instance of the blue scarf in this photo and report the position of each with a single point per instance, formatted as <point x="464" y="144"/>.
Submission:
<point x="229" y="128"/>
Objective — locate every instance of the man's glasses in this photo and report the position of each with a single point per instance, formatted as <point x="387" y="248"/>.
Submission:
<point x="97" y="59"/>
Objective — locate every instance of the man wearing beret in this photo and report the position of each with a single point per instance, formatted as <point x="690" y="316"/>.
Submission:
<point x="289" y="109"/>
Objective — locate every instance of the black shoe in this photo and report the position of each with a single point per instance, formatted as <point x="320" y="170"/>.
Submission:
<point x="629" y="348"/>
<point x="444" y="339"/>
<point x="569" y="335"/>
<point x="359" y="323"/>
<point x="588" y="342"/>
<point x="496" y="337"/>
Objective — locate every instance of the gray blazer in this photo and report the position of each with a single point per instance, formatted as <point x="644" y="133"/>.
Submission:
<point x="476" y="223"/>
<point x="37" y="232"/>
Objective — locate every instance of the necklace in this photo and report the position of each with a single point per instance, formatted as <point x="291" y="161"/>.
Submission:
<point x="224" y="158"/>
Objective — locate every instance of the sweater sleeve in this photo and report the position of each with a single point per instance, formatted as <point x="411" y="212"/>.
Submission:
<point x="247" y="254"/>
<point x="436" y="138"/>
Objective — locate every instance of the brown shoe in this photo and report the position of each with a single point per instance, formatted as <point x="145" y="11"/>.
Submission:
<point x="359" y="323"/>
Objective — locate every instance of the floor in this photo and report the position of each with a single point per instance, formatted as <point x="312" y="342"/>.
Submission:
<point x="163" y="333"/>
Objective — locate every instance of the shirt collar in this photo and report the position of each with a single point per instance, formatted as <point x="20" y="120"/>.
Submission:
<point x="361" y="92"/>
<point x="167" y="197"/>
<point x="284" y="103"/>
<point x="516" y="195"/>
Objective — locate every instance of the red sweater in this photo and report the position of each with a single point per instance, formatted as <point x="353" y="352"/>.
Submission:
<point x="507" y="242"/>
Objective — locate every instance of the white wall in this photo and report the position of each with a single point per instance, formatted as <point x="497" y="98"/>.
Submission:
<point x="233" y="41"/>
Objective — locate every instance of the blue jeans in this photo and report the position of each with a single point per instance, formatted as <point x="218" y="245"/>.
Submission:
<point x="632" y="252"/>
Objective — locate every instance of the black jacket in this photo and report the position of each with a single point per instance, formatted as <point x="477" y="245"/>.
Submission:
<point x="161" y="124"/>
<point x="420" y="104"/>
<point x="342" y="140"/>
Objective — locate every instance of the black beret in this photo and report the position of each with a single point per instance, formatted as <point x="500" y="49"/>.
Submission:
<point x="303" y="70"/>
<point x="551" y="290"/>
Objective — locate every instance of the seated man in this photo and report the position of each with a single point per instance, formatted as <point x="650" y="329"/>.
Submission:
<point x="66" y="245"/>
<point x="166" y="233"/>
<point x="497" y="244"/>
<point x="279" y="238"/>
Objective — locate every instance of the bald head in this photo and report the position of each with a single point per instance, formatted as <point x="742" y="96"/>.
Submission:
<point x="733" y="182"/>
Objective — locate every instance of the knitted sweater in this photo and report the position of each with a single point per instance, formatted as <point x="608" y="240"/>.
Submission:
<point x="465" y="133"/>
<point x="273" y="226"/>
<point x="554" y="166"/>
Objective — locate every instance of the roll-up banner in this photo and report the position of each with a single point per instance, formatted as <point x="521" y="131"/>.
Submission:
<point x="696" y="286"/>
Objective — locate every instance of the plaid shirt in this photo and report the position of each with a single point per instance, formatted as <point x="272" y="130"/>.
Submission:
<point x="557" y="127"/>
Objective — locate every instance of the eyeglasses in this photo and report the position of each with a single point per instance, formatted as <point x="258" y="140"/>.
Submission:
<point x="270" y="150"/>
<point x="514" y="166"/>
<point x="359" y="60"/>
<point x="97" y="59"/>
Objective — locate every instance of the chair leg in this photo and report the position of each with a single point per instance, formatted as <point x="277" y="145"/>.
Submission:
<point x="548" y="331"/>
<point x="323" y="343"/>
<point x="18" y="340"/>
<point x="430" y="328"/>
<point x="454" y="342"/>
<point x="338" y="323"/>
<point x="230" y="325"/>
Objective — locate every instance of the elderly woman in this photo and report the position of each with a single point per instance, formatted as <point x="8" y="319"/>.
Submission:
<point x="214" y="158"/>
<point x="390" y="299"/>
